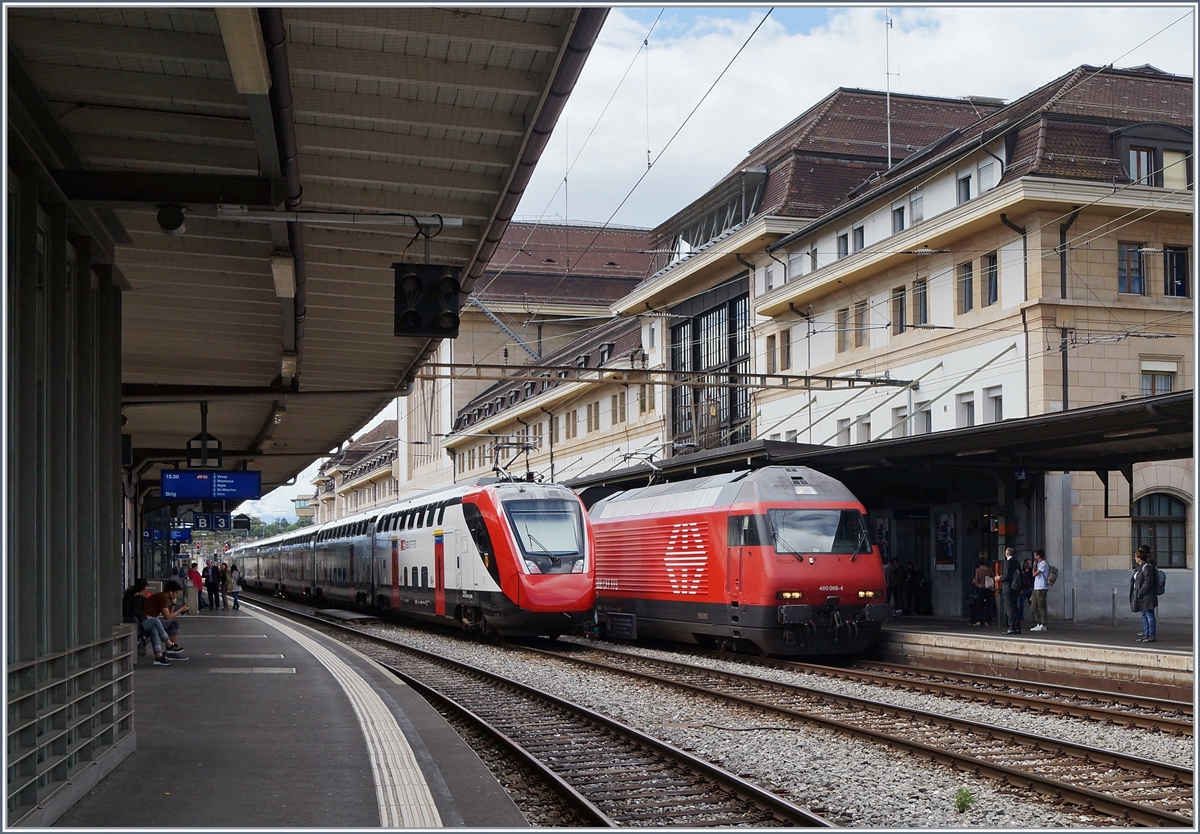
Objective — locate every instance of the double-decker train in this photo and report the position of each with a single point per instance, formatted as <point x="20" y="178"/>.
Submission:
<point x="502" y="558"/>
<point x="779" y="560"/>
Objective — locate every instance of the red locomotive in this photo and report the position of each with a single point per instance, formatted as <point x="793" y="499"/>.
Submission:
<point x="778" y="560"/>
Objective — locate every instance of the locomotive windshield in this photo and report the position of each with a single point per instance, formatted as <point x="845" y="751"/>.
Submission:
<point x="819" y="531"/>
<point x="550" y="534"/>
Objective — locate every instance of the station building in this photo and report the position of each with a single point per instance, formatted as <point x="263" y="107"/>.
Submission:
<point x="1022" y="260"/>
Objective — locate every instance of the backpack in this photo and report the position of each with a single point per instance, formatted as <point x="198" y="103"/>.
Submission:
<point x="1018" y="579"/>
<point x="1161" y="582"/>
<point x="1051" y="576"/>
<point x="131" y="607"/>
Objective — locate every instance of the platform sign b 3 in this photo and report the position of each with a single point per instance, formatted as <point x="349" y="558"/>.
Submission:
<point x="202" y="521"/>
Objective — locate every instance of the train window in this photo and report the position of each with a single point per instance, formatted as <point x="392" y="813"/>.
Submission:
<point x="424" y="579"/>
<point x="421" y="520"/>
<point x="441" y="514"/>
<point x="819" y="531"/>
<point x="745" y="531"/>
<point x="550" y="533"/>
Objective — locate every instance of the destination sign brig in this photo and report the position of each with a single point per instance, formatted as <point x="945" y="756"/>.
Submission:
<point x="218" y="485"/>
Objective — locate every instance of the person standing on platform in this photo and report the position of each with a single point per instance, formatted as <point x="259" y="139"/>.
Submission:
<point x="895" y="583"/>
<point x="226" y="586"/>
<point x="1037" y="606"/>
<point x="212" y="583"/>
<point x="1143" y="593"/>
<point x="198" y="583"/>
<point x="1012" y="584"/>
<point x="981" y="587"/>
<point x="235" y="585"/>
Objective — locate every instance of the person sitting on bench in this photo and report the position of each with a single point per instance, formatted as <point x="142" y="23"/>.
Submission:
<point x="163" y="637"/>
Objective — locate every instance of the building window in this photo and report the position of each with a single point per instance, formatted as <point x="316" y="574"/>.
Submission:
<point x="652" y="339"/>
<point x="593" y="417"/>
<point x="922" y="422"/>
<point x="899" y="422"/>
<point x="537" y="434"/>
<point x="991" y="279"/>
<point x="1141" y="166"/>
<point x="645" y="398"/>
<point x="769" y="278"/>
<point x="1157" y="382"/>
<point x="966" y="287"/>
<point x="864" y="429"/>
<point x="920" y="302"/>
<point x="985" y="177"/>
<point x="898" y="220"/>
<point x="718" y="341"/>
<point x="860" y="323"/>
<point x="571" y="429"/>
<point x="618" y="407"/>
<point x="843" y="432"/>
<point x="1160" y="523"/>
<point x="843" y="246"/>
<point x="859" y="238"/>
<point x="1178" y="279"/>
<point x="1175" y="170"/>
<point x="964" y="189"/>
<point x="899" y="315"/>
<point x="785" y="349"/>
<point x="791" y="435"/>
<point x="812" y="259"/>
<point x="995" y="405"/>
<point x="771" y="354"/>
<point x="966" y="410"/>
<point x="843" y="330"/>
<point x="916" y="209"/>
<point x="1130" y="275"/>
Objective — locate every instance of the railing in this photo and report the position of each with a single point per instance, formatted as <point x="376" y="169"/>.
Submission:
<point x="64" y="711"/>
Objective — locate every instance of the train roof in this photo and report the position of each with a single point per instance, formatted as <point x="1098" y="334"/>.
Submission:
<point x="768" y="484"/>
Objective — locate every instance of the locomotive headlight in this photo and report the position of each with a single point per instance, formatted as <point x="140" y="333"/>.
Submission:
<point x="532" y="567"/>
<point x="868" y="594"/>
<point x="577" y="567"/>
<point x="790" y="595"/>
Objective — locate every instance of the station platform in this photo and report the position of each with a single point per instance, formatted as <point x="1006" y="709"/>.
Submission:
<point x="1106" y="652"/>
<point x="269" y="724"/>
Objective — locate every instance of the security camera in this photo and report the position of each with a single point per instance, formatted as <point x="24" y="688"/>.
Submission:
<point x="170" y="220"/>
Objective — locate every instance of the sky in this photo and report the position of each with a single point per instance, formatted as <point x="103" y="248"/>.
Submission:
<point x="644" y="93"/>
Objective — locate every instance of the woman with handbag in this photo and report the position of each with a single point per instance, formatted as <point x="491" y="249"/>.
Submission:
<point x="983" y="590"/>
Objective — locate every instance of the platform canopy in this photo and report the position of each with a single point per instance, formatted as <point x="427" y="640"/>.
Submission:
<point x="1110" y="437"/>
<point x="383" y="134"/>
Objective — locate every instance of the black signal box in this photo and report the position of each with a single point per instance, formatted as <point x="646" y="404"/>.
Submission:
<point x="428" y="300"/>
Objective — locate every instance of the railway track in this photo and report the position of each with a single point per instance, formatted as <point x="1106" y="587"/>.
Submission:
<point x="1136" y="790"/>
<point x="1127" y="710"/>
<point x="610" y="773"/>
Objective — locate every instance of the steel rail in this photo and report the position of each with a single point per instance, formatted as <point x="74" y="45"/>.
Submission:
<point x="785" y="812"/>
<point x="1076" y="794"/>
<point x="1049" y="700"/>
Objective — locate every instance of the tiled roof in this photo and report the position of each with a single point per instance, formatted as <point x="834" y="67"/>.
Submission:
<point x="537" y="261"/>
<point x="618" y="338"/>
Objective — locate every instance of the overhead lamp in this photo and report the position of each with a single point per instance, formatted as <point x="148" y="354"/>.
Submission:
<point x="242" y="34"/>
<point x="974" y="452"/>
<point x="288" y="364"/>
<point x="170" y="220"/>
<point x="1112" y="435"/>
<point x="283" y="270"/>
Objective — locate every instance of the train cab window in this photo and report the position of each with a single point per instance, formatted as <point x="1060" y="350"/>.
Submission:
<point x="819" y="531"/>
<point x="745" y="531"/>
<point x="424" y="579"/>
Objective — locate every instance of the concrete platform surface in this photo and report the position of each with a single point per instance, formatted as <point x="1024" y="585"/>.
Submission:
<point x="271" y="725"/>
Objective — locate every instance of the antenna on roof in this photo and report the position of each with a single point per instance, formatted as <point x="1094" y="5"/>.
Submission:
<point x="887" y="57"/>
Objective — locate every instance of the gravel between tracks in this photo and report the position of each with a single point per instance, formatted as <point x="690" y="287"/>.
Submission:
<point x="851" y="782"/>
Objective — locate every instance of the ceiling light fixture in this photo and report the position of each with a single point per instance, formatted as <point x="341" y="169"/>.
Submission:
<point x="283" y="270"/>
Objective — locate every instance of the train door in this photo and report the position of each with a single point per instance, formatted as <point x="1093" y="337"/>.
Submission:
<point x="395" y="572"/>
<point x="439" y="572"/>
<point x="743" y="533"/>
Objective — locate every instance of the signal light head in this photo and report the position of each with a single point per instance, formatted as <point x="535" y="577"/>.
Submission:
<point x="427" y="300"/>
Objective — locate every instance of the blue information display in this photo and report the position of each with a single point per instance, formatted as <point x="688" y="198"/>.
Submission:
<point x="222" y="485"/>
<point x="181" y="534"/>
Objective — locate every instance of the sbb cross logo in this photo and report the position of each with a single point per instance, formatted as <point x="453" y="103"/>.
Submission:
<point x="685" y="558"/>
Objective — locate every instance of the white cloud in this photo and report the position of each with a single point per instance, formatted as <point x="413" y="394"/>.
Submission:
<point x="944" y="51"/>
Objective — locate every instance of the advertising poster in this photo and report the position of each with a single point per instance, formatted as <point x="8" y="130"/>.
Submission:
<point x="944" y="559"/>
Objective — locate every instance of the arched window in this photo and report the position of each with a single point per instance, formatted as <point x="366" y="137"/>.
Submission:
<point x="1160" y="521"/>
